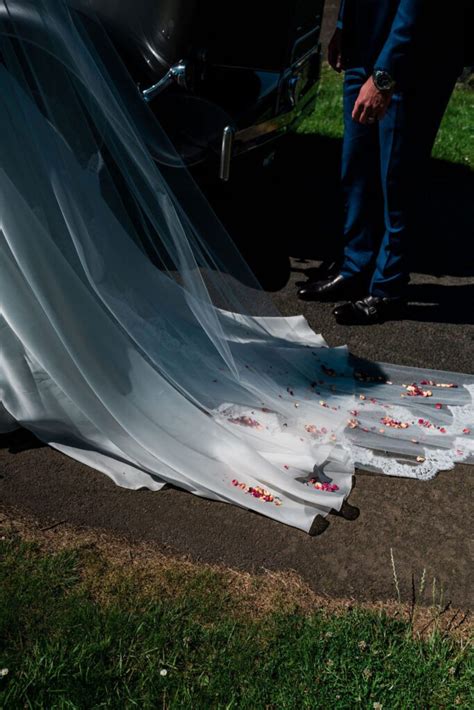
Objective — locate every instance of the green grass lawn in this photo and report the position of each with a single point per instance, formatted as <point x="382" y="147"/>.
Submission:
<point x="455" y="142"/>
<point x="76" y="633"/>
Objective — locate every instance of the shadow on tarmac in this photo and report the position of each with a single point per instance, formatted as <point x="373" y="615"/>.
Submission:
<point x="295" y="209"/>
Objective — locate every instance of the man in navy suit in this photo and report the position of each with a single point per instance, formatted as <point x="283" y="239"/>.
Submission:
<point x="401" y="60"/>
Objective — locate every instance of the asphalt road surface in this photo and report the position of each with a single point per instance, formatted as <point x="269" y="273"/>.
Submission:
<point x="427" y="525"/>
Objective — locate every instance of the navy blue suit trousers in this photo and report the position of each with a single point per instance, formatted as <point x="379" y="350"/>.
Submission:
<point x="384" y="164"/>
<point x="384" y="173"/>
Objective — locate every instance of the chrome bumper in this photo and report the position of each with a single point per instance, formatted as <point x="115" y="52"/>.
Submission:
<point x="254" y="136"/>
<point x="297" y="104"/>
<point x="234" y="143"/>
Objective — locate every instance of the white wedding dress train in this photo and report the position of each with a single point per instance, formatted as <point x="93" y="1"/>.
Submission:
<point x="153" y="370"/>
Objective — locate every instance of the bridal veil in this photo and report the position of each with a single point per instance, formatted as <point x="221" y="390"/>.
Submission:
<point x="134" y="338"/>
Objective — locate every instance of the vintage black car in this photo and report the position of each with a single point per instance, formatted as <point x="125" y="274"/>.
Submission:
<point x="222" y="77"/>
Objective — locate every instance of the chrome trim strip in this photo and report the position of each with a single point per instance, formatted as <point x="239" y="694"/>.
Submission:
<point x="306" y="57"/>
<point x="226" y="153"/>
<point x="176" y="75"/>
<point x="267" y="130"/>
<point x="315" y="31"/>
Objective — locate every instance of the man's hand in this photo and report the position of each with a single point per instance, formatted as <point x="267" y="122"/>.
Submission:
<point x="371" y="104"/>
<point x="335" y="51"/>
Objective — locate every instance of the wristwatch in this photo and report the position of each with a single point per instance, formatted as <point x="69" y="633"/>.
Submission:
<point x="382" y="80"/>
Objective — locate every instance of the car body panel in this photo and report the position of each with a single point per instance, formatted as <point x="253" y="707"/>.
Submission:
<point x="220" y="76"/>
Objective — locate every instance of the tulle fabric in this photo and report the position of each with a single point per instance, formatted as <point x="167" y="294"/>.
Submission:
<point x="135" y="339"/>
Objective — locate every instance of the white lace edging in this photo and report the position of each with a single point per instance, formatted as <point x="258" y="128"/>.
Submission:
<point x="434" y="462"/>
<point x="464" y="415"/>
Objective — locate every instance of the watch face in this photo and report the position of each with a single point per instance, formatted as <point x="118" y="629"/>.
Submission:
<point x="383" y="80"/>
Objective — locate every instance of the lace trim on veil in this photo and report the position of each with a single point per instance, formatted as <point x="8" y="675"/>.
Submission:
<point x="433" y="461"/>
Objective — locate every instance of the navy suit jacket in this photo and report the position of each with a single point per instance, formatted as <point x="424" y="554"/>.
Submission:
<point x="404" y="37"/>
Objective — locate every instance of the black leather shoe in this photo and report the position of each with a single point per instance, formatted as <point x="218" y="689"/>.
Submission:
<point x="332" y="289"/>
<point x="371" y="309"/>
<point x="326" y="270"/>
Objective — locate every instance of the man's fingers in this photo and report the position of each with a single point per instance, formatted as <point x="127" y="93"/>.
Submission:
<point x="357" y="111"/>
<point x="365" y="113"/>
<point x="366" y="116"/>
<point x="371" y="105"/>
